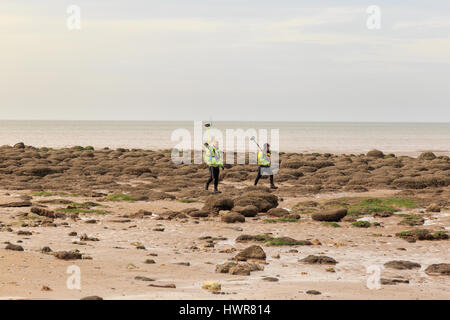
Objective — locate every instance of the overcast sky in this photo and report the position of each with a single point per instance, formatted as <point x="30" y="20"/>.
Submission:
<point x="225" y="60"/>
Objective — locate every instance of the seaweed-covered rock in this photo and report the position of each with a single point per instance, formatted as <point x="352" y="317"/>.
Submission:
<point x="332" y="215"/>
<point x="422" y="234"/>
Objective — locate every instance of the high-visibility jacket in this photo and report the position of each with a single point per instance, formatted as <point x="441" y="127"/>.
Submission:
<point x="264" y="159"/>
<point x="213" y="157"/>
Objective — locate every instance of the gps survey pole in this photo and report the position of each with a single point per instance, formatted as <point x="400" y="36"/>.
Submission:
<point x="253" y="139"/>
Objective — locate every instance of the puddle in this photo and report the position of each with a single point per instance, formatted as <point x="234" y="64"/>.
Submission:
<point x="227" y="242"/>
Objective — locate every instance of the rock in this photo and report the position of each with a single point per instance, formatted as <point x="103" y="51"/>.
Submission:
<point x="401" y="265"/>
<point x="24" y="233"/>
<point x="142" y="278"/>
<point x="311" y="259"/>
<point x="244" y="269"/>
<point x="270" y="279"/>
<point x="247" y="211"/>
<point x="278" y="212"/>
<point x="13" y="247"/>
<point x="199" y="214"/>
<point x="16" y="204"/>
<point x="19" y="145"/>
<point x="252" y="252"/>
<point x="225" y="267"/>
<point x="313" y="292"/>
<point x="158" y="229"/>
<point x="72" y="234"/>
<point x="68" y="255"/>
<point x="394" y="281"/>
<point x="433" y="208"/>
<point x="149" y="261"/>
<point x="332" y="215"/>
<point x="232" y="217"/>
<point x="92" y="298"/>
<point x="375" y="154"/>
<point x="216" y="203"/>
<point x="263" y="200"/>
<point x="46" y="288"/>
<point x="46" y="213"/>
<point x="211" y="286"/>
<point x="422" y="234"/>
<point x="427" y="156"/>
<point x="440" y="269"/>
<point x="170" y="285"/>
<point x="85" y="237"/>
<point x="46" y="250"/>
<point x="287" y="241"/>
<point x="186" y="264"/>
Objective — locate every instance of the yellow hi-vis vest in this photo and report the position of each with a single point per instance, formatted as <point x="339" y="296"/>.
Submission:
<point x="263" y="159"/>
<point x="213" y="157"/>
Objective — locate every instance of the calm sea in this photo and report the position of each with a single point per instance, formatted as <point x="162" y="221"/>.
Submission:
<point x="398" y="138"/>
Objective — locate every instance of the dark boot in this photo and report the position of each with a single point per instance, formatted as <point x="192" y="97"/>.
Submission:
<point x="216" y="191"/>
<point x="206" y="186"/>
<point x="272" y="186"/>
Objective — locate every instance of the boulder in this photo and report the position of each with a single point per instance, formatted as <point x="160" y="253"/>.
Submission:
<point x="19" y="145"/>
<point x="332" y="215"/>
<point x="232" y="217"/>
<point x="247" y="211"/>
<point x="427" y="156"/>
<point x="244" y="269"/>
<point x="264" y="201"/>
<point x="13" y="247"/>
<point x="375" y="154"/>
<point x="278" y="212"/>
<point x="216" y="203"/>
<point x="252" y="252"/>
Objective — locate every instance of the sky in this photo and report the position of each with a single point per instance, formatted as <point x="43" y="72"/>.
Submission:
<point x="234" y="60"/>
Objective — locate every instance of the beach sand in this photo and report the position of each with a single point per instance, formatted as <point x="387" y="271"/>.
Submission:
<point x="135" y="206"/>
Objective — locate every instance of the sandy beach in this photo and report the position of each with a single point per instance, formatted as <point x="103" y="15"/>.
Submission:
<point x="140" y="227"/>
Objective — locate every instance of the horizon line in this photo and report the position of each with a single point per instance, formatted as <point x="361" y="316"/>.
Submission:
<point x="224" y="121"/>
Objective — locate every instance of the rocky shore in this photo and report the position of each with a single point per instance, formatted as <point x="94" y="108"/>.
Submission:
<point x="135" y="224"/>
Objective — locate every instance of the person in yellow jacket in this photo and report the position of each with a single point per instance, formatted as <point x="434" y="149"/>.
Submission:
<point x="213" y="159"/>
<point x="264" y="163"/>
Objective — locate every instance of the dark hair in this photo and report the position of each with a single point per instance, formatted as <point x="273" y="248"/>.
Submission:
<point x="266" y="145"/>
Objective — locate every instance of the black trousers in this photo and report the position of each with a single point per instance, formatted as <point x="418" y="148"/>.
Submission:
<point x="213" y="175"/>
<point x="265" y="170"/>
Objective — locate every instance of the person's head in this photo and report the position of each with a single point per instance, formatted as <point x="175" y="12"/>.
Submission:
<point x="267" y="147"/>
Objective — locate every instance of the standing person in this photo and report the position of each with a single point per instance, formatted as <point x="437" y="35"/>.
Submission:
<point x="264" y="163"/>
<point x="213" y="158"/>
